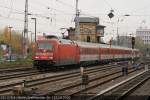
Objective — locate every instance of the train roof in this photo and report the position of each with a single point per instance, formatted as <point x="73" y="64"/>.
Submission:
<point x="93" y="45"/>
<point x="88" y="44"/>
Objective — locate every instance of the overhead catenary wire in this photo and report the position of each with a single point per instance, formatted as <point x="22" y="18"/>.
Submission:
<point x="14" y="11"/>
<point x="20" y="11"/>
<point x="139" y="9"/>
<point x="58" y="12"/>
<point x="54" y="12"/>
<point x="108" y="4"/>
<point x="82" y="12"/>
<point x="17" y="11"/>
<point x="21" y="20"/>
<point x="63" y="3"/>
<point x="47" y="6"/>
<point x="11" y="8"/>
<point x="112" y="8"/>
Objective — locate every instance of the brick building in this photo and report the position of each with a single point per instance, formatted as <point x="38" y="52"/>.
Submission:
<point x="90" y="30"/>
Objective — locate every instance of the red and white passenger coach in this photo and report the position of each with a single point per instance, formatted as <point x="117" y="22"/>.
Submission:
<point x="54" y="52"/>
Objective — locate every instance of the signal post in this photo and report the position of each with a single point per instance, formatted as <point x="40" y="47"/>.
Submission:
<point x="84" y="82"/>
<point x="133" y="43"/>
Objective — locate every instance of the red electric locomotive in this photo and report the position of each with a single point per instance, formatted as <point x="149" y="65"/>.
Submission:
<point x="53" y="52"/>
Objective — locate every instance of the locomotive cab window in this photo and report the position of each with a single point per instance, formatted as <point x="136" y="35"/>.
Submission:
<point x="44" y="46"/>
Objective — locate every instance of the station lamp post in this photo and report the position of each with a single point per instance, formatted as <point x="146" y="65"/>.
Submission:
<point x="35" y="27"/>
<point x="31" y="38"/>
<point x="10" y="46"/>
<point x="118" y="20"/>
<point x="132" y="44"/>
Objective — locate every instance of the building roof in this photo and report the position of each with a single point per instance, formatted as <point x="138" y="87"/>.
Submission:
<point x="89" y="20"/>
<point x="100" y="26"/>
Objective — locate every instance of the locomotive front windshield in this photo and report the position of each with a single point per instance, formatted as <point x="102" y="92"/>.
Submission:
<point x="45" y="46"/>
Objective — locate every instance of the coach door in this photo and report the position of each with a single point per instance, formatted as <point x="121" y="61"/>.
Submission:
<point x="77" y="52"/>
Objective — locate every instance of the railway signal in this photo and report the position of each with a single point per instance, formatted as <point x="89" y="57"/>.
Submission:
<point x="84" y="80"/>
<point x="133" y="42"/>
<point x="110" y="42"/>
<point x="111" y="15"/>
<point x="84" y="76"/>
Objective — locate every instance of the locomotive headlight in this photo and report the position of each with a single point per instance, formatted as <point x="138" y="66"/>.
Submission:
<point x="50" y="57"/>
<point x="36" y="57"/>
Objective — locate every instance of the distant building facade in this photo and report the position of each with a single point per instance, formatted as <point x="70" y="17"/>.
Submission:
<point x="144" y="34"/>
<point x="90" y="30"/>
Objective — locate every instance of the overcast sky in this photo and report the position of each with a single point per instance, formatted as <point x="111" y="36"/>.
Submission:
<point x="62" y="13"/>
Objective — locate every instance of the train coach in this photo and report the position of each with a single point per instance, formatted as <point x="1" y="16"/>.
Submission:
<point x="54" y="53"/>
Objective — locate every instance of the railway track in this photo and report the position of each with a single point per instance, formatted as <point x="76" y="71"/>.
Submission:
<point x="73" y="84"/>
<point x="122" y="89"/>
<point x="7" y="73"/>
<point x="9" y="70"/>
<point x="45" y="79"/>
<point x="16" y="73"/>
<point x="93" y="82"/>
<point x="6" y="76"/>
<point x="142" y="92"/>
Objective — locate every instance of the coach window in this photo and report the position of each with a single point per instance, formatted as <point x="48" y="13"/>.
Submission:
<point x="84" y="51"/>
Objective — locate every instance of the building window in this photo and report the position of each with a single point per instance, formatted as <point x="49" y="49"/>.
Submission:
<point x="81" y="30"/>
<point x="88" y="39"/>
